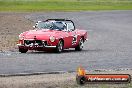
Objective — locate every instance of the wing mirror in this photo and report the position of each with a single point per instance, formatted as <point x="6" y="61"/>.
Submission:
<point x="70" y="30"/>
<point x="34" y="27"/>
<point x="64" y="30"/>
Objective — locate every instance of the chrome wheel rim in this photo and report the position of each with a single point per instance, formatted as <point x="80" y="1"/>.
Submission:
<point x="81" y="44"/>
<point x="60" y="47"/>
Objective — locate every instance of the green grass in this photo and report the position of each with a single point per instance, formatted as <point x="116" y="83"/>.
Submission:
<point x="64" y="5"/>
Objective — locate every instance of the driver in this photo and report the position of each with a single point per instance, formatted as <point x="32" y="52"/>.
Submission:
<point x="59" y="25"/>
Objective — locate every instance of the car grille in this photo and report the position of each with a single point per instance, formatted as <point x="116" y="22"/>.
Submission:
<point x="34" y="42"/>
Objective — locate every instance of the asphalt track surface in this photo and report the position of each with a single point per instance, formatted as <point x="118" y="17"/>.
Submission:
<point x="109" y="45"/>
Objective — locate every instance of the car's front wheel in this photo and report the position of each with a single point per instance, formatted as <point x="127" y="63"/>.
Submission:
<point x="59" y="47"/>
<point x="23" y="50"/>
<point x="80" y="45"/>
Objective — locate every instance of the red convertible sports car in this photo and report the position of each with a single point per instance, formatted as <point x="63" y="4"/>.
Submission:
<point x="54" y="34"/>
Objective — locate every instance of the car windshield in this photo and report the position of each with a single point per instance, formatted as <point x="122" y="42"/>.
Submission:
<point x="52" y="25"/>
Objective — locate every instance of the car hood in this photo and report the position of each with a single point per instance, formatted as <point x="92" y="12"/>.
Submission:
<point x="40" y="34"/>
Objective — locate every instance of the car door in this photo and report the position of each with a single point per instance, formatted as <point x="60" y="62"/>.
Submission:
<point x="72" y="34"/>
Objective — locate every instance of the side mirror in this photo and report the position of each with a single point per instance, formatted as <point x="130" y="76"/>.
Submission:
<point x="64" y="30"/>
<point x="34" y="27"/>
<point x="72" y="29"/>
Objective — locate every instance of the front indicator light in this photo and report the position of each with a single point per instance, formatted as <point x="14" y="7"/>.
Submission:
<point x="52" y="38"/>
<point x="20" y="42"/>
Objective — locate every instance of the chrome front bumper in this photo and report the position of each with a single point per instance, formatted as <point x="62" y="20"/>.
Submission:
<point x="20" y="45"/>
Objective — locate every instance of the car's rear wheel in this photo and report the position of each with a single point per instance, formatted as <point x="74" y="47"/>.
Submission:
<point x="80" y="45"/>
<point x="59" y="47"/>
<point x="23" y="50"/>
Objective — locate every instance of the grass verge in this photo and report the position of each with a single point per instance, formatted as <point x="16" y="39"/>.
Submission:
<point x="64" y="5"/>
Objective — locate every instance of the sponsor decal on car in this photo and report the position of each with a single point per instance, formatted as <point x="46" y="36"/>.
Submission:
<point x="74" y="41"/>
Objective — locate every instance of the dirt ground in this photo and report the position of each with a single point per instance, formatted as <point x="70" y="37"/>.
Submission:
<point x="38" y="81"/>
<point x="11" y="25"/>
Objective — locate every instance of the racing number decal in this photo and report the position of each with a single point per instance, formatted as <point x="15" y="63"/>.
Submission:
<point x="74" y="40"/>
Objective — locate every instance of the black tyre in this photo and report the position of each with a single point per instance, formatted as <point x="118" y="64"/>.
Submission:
<point x="80" y="45"/>
<point x="22" y="50"/>
<point x="59" y="47"/>
<point x="81" y="80"/>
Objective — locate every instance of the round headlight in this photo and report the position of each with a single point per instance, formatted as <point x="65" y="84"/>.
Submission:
<point x="52" y="38"/>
